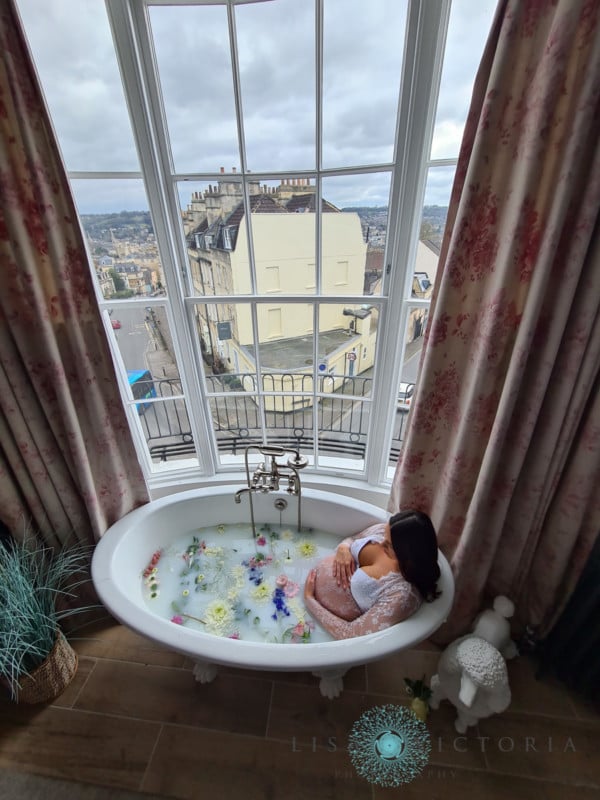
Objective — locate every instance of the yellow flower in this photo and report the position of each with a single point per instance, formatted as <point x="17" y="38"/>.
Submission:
<point x="261" y="593"/>
<point x="306" y="549"/>
<point x="218" y="617"/>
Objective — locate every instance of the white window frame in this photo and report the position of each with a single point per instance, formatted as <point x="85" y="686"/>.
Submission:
<point x="426" y="27"/>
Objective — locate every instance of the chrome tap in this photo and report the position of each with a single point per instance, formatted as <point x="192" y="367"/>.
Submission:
<point x="267" y="476"/>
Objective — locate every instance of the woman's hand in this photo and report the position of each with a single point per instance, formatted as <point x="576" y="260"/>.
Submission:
<point x="343" y="565"/>
<point x="309" y="586"/>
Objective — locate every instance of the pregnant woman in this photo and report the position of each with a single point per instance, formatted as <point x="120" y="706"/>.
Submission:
<point x="377" y="578"/>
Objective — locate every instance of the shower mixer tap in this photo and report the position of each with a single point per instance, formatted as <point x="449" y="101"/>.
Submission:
<point x="267" y="476"/>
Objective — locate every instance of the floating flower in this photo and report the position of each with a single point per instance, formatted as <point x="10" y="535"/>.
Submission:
<point x="301" y="631"/>
<point x="306" y="549"/>
<point x="151" y="568"/>
<point x="291" y="589"/>
<point x="199" y="578"/>
<point x="280" y="606"/>
<point x="220" y="528"/>
<point x="177" y="619"/>
<point x="234" y="635"/>
<point x="261" y="541"/>
<point x="287" y="535"/>
<point x="185" y="592"/>
<point x="261" y="593"/>
<point x="218" y="617"/>
<point x="281" y="580"/>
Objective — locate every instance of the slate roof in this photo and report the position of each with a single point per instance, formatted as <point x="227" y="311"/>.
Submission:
<point x="259" y="203"/>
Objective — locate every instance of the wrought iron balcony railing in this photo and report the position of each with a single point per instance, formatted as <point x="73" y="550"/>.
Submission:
<point x="337" y="424"/>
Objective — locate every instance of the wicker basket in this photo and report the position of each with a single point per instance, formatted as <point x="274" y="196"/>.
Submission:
<point x="52" y="676"/>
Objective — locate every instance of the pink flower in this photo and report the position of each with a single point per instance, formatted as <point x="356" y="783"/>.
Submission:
<point x="261" y="541"/>
<point x="291" y="589"/>
<point x="234" y="635"/>
<point x="281" y="580"/>
<point x="177" y="620"/>
<point x="298" y="629"/>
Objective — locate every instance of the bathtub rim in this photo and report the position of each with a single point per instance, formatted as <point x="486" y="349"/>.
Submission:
<point x="261" y="655"/>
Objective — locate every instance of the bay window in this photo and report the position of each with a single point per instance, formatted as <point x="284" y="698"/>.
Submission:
<point x="263" y="187"/>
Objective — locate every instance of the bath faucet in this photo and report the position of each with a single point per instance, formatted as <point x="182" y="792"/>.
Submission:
<point x="267" y="476"/>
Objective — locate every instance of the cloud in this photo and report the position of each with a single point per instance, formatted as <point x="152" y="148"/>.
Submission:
<point x="363" y="48"/>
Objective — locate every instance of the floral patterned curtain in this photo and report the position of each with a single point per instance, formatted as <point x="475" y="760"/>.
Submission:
<point x="67" y="462"/>
<point x="503" y="447"/>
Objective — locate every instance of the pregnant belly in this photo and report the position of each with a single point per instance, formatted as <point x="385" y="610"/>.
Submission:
<point x="334" y="598"/>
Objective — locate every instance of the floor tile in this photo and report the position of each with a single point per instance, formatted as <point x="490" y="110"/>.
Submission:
<point x="449" y="748"/>
<point x="76" y="745"/>
<point x="134" y="717"/>
<point x="191" y="763"/>
<point x="85" y="667"/>
<point x="231" y="703"/>
<point x="387" y="675"/>
<point x="301" y="715"/>
<point x="108" y="639"/>
<point x="444" y="783"/>
<point x="538" y="696"/>
<point x="355" y="680"/>
<point x="543" y="747"/>
<point x="584" y="708"/>
<point x="25" y="786"/>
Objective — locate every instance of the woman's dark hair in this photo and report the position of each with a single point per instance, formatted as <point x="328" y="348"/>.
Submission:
<point x="415" y="544"/>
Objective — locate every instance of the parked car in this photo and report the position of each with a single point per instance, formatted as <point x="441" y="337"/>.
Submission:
<point x="405" y="393"/>
<point x="116" y="324"/>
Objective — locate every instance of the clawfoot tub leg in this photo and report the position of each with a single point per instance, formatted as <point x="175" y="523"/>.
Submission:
<point x="204" y="671"/>
<point x="332" y="683"/>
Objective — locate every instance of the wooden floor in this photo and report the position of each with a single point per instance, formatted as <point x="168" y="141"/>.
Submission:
<point x="134" y="718"/>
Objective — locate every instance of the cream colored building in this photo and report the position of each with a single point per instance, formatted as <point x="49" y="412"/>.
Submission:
<point x="283" y="234"/>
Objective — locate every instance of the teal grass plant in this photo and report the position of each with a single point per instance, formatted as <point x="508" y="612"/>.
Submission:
<point x="36" y="584"/>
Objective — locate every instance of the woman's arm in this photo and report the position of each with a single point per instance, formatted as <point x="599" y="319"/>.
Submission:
<point x="375" y="529"/>
<point x="389" y="609"/>
<point x="343" y="564"/>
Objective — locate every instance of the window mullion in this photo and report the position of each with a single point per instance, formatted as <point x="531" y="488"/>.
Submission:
<point x="134" y="55"/>
<point x="423" y="57"/>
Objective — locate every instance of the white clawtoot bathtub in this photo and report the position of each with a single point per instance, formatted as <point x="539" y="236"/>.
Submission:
<point x="126" y="548"/>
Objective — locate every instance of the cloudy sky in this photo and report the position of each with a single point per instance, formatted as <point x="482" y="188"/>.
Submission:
<point x="72" y="47"/>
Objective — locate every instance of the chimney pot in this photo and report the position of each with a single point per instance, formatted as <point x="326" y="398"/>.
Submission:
<point x="233" y="169"/>
<point x="222" y="170"/>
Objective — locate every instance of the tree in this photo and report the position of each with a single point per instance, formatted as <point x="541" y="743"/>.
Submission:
<point x="119" y="282"/>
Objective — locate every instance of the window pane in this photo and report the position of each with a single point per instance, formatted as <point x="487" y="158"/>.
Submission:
<point x="413" y="343"/>
<point x="145" y="342"/>
<point x="73" y="49"/>
<point x="194" y="64"/>
<point x="225" y="337"/>
<point x="346" y="346"/>
<point x="467" y="34"/>
<point x="121" y="240"/>
<point x="343" y="425"/>
<point x="354" y="237"/>
<point x="283" y="235"/>
<point x="277" y="72"/>
<point x="167" y="432"/>
<point x="214" y="226"/>
<point x="362" y="59"/>
<point x="433" y="225"/>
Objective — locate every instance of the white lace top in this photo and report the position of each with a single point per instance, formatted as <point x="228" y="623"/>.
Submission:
<point x="384" y="601"/>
